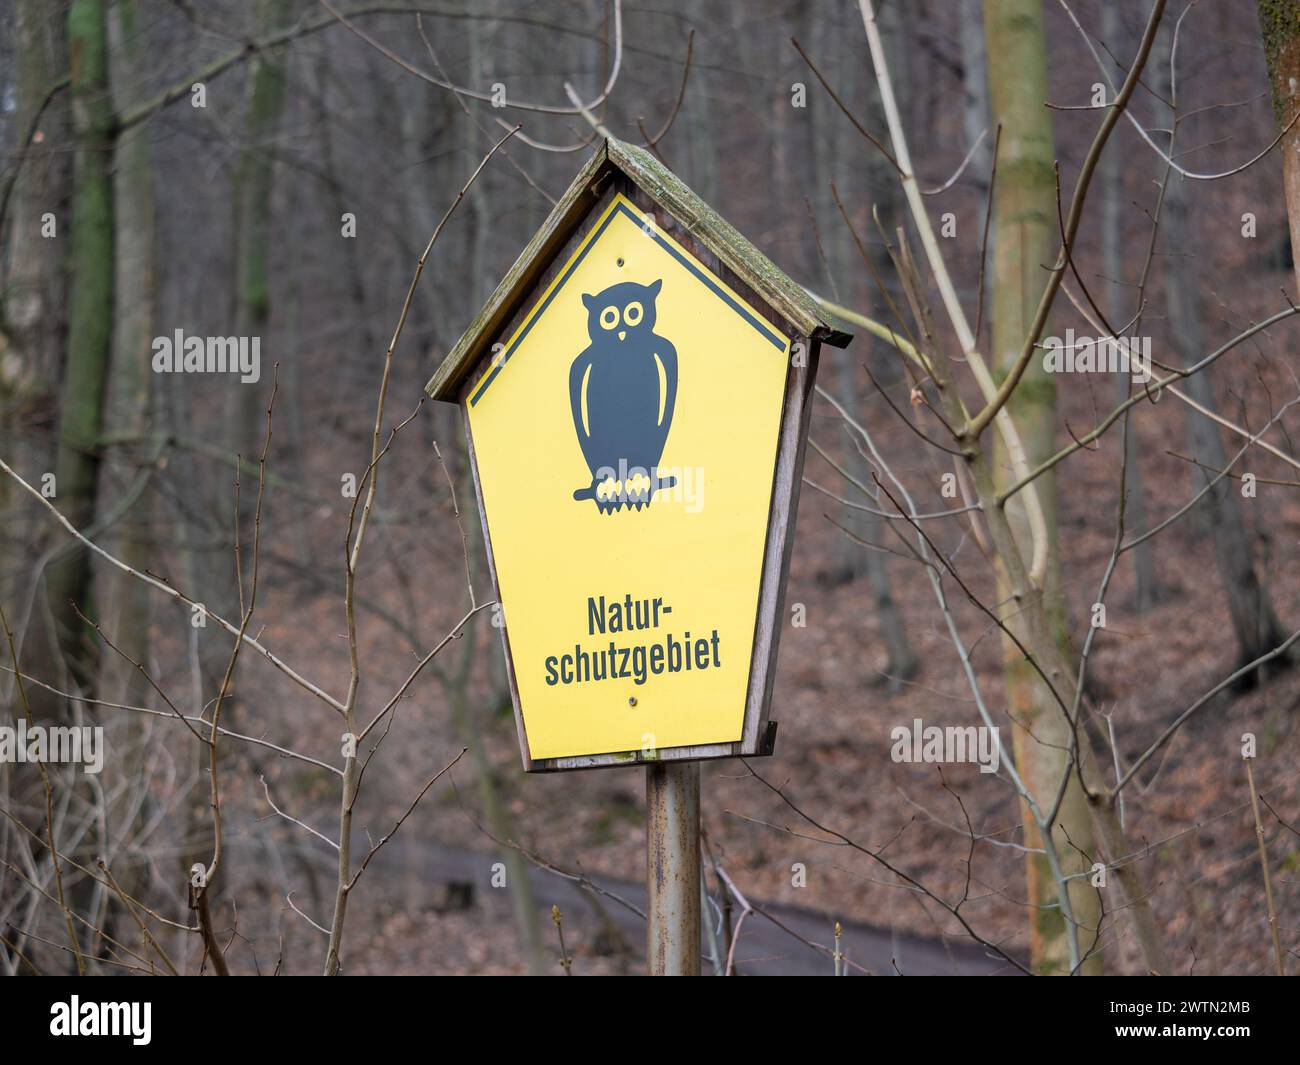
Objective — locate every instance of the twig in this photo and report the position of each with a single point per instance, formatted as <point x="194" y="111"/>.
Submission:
<point x="1263" y="864"/>
<point x="566" y="962"/>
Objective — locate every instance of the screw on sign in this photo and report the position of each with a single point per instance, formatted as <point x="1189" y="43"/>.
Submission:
<point x="636" y="395"/>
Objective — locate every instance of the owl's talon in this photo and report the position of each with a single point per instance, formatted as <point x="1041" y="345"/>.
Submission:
<point x="607" y="490"/>
<point x="611" y="493"/>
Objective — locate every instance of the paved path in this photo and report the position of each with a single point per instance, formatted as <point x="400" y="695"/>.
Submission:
<point x="765" y="949"/>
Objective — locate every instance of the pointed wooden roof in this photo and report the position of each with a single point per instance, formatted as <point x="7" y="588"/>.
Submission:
<point x="779" y="291"/>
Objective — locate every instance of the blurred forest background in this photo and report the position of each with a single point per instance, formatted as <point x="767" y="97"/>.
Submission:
<point x="260" y="169"/>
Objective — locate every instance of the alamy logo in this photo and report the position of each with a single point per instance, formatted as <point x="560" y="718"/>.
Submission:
<point x="951" y="744"/>
<point x="1131" y="355"/>
<point x="58" y="743"/>
<point x="102" y="1018"/>
<point x="181" y="354"/>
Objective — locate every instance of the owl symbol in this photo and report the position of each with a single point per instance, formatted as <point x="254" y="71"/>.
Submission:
<point x="622" y="390"/>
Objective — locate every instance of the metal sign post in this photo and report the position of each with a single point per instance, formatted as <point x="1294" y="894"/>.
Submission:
<point x="672" y="792"/>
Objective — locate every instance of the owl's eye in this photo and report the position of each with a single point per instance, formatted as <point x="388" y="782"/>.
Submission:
<point x="632" y="313"/>
<point x="609" y="318"/>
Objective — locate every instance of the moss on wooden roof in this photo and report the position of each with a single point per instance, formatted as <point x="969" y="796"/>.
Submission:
<point x="710" y="229"/>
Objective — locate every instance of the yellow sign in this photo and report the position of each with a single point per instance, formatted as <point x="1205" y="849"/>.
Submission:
<point x="626" y="439"/>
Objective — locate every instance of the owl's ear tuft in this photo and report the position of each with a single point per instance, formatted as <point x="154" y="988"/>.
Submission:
<point x="654" y="287"/>
<point x="588" y="301"/>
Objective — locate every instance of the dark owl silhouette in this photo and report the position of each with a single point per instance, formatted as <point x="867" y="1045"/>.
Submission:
<point x="622" y="390"/>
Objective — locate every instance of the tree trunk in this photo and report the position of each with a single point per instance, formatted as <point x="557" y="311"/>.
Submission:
<point x="1146" y="586"/>
<point x="1279" y="23"/>
<point x="245" y="403"/>
<point x="468" y="713"/>
<point x="1025" y="236"/>
<point x="32" y="296"/>
<point x="127" y="404"/>
<point x="849" y="281"/>
<point x="254" y="180"/>
<point x="33" y="303"/>
<point x="1254" y="622"/>
<point x="90" y="321"/>
<point x="841" y="270"/>
<point x="975" y="94"/>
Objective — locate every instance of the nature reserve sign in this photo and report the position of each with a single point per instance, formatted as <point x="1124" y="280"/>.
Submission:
<point x="636" y="408"/>
<point x="626" y="479"/>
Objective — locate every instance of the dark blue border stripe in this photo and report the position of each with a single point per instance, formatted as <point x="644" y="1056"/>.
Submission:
<point x="766" y="331"/>
<point x="537" y="314"/>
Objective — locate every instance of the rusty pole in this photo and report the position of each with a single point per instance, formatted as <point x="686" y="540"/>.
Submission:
<point x="672" y="791"/>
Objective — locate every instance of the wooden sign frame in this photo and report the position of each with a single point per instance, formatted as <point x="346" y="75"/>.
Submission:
<point x="619" y="168"/>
